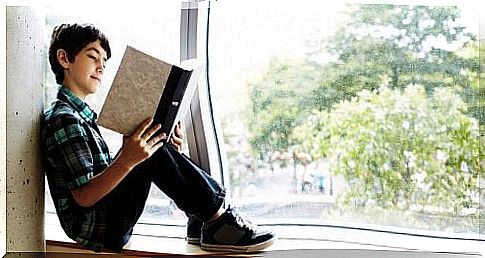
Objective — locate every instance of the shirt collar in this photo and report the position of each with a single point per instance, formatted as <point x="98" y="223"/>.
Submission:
<point x="77" y="104"/>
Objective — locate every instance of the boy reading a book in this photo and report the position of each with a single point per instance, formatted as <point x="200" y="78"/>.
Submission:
<point x="98" y="198"/>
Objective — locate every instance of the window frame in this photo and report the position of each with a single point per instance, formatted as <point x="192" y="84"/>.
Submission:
<point x="202" y="131"/>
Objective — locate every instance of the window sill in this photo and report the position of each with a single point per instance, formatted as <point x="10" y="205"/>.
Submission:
<point x="153" y="240"/>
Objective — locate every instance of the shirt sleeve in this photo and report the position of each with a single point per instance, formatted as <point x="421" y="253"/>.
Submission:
<point x="69" y="144"/>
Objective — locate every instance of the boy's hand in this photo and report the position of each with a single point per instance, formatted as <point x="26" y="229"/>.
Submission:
<point x="176" y="138"/>
<point x="141" y="145"/>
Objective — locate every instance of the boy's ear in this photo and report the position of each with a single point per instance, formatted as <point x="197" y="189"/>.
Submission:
<point x="62" y="58"/>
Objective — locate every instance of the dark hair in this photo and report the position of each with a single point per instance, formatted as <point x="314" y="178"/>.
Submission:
<point x="73" y="38"/>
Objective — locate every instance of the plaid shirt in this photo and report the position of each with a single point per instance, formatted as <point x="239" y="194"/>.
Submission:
<point x="73" y="153"/>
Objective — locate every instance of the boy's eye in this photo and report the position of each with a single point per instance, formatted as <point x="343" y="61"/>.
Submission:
<point x="92" y="57"/>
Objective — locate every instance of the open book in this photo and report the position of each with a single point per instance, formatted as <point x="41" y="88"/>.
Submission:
<point x="145" y="86"/>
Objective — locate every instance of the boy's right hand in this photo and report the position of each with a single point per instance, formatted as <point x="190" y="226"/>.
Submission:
<point x="141" y="145"/>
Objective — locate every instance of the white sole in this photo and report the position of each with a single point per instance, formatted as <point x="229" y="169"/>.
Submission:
<point x="193" y="240"/>
<point x="235" y="248"/>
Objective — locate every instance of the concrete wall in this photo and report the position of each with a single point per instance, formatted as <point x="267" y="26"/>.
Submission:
<point x="3" y="147"/>
<point x="25" y="44"/>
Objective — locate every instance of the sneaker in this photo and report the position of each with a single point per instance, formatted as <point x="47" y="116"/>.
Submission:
<point x="194" y="229"/>
<point x="233" y="233"/>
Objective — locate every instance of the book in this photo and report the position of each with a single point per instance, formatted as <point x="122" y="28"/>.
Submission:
<point x="145" y="86"/>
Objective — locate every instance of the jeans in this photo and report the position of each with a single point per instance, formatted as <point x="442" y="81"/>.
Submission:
<point x="183" y="181"/>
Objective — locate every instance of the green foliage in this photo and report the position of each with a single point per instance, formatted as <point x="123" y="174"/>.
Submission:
<point x="401" y="149"/>
<point x="398" y="146"/>
<point x="278" y="101"/>
<point x="398" y="45"/>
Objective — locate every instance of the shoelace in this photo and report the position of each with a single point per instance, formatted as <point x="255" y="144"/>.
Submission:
<point x="241" y="220"/>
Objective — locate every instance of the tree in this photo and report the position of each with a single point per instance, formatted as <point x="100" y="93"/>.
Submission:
<point x="401" y="149"/>
<point x="391" y="44"/>
<point x="399" y="145"/>
<point x="278" y="104"/>
<point x="398" y="45"/>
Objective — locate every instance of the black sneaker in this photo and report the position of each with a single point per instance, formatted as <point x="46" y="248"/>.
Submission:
<point x="232" y="233"/>
<point x="194" y="228"/>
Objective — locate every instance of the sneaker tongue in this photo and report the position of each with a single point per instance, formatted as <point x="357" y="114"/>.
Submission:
<point x="242" y="221"/>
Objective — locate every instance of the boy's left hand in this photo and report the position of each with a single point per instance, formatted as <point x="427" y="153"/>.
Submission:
<point x="177" y="137"/>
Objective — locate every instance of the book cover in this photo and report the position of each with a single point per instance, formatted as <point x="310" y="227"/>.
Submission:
<point x="145" y="86"/>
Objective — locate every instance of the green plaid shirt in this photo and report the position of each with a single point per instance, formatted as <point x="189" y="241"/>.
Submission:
<point x="73" y="153"/>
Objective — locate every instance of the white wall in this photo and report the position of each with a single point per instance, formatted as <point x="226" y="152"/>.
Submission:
<point x="24" y="179"/>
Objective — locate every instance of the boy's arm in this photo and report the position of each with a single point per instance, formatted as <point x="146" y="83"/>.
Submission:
<point x="136" y="149"/>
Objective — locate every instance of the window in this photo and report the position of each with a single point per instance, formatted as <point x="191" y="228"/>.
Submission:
<point x="359" y="115"/>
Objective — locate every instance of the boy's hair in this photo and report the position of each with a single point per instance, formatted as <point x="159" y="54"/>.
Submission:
<point x="73" y="38"/>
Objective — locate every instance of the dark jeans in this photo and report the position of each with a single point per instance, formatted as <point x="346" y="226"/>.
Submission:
<point x="189" y="186"/>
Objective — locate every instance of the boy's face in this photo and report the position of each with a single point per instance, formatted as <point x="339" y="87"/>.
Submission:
<point x="84" y="75"/>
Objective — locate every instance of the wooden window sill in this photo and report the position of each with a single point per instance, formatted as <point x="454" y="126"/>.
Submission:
<point x="160" y="240"/>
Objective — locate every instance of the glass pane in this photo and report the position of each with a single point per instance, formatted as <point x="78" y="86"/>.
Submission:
<point x="350" y="114"/>
<point x="154" y="29"/>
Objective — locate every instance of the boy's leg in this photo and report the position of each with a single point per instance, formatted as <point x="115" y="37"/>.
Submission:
<point x="188" y="189"/>
<point x="124" y="206"/>
<point x="188" y="185"/>
<point x="191" y="188"/>
<point x="196" y="193"/>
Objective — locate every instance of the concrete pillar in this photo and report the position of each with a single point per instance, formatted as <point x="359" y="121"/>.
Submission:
<point x="25" y="41"/>
<point x="3" y="145"/>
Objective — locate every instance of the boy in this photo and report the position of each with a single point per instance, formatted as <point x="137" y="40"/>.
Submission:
<point x="99" y="199"/>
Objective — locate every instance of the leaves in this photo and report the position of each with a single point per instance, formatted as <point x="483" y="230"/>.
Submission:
<point x="387" y="143"/>
<point x="397" y="115"/>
